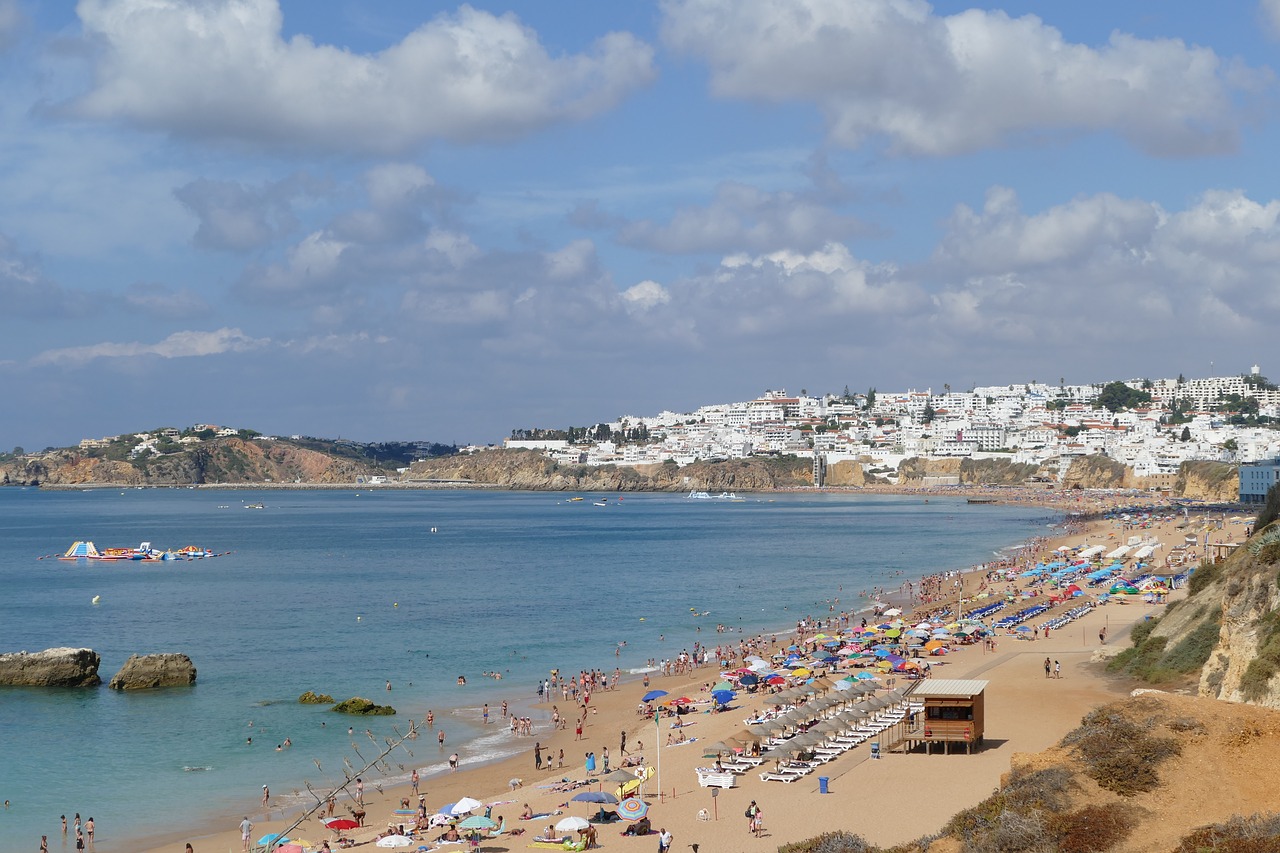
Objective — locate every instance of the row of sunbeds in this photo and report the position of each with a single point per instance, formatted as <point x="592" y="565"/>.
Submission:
<point x="838" y="744"/>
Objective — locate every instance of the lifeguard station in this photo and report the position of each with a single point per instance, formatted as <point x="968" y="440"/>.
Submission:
<point x="953" y="713"/>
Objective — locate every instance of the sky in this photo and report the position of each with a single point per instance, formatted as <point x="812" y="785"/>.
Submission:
<point x="411" y="220"/>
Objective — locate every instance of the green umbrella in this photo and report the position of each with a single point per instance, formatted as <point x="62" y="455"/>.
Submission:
<point x="477" y="821"/>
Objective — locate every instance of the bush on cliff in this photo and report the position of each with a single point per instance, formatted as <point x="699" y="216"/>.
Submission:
<point x="363" y="707"/>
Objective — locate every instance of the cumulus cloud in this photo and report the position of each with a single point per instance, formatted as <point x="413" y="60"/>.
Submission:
<point x="645" y="295"/>
<point x="740" y="218"/>
<point x="224" y="71"/>
<point x="186" y="344"/>
<point x="1100" y="269"/>
<point x="235" y="217"/>
<point x="940" y="85"/>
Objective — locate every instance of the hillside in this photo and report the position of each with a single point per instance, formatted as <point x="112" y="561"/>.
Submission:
<point x="529" y="469"/>
<point x="221" y="460"/>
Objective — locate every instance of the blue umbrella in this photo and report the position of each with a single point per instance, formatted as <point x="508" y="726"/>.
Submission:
<point x="277" y="838"/>
<point x="749" y="679"/>
<point x="653" y="694"/>
<point x="723" y="697"/>
<point x="595" y="797"/>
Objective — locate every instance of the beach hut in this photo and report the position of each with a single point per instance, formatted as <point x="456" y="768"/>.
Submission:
<point x="953" y="713"/>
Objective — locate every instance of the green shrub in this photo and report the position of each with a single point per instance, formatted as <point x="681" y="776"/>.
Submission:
<point x="829" y="842"/>
<point x="1258" y="674"/>
<point x="1205" y="573"/>
<point x="1193" y="650"/>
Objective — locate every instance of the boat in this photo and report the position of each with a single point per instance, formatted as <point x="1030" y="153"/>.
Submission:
<point x="574" y="500"/>
<point x="707" y="496"/>
<point x="699" y="496"/>
<point x="602" y="502"/>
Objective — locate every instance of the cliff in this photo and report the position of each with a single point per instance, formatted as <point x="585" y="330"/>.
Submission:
<point x="224" y="460"/>
<point x="529" y="469"/>
<point x="1216" y="482"/>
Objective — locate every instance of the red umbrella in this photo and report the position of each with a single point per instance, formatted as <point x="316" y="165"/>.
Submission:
<point x="340" y="823"/>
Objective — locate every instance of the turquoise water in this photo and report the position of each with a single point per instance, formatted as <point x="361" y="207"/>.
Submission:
<point x="339" y="592"/>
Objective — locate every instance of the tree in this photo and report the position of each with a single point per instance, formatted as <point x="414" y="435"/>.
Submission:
<point x="1117" y="395"/>
<point x="18" y="451"/>
<point x="871" y="398"/>
<point x="1270" y="508"/>
<point x="1186" y="434"/>
<point x="929" y="413"/>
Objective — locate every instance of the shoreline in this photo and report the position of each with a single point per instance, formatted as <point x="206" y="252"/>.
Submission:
<point x="208" y="826"/>
<point x="680" y="808"/>
<point x="510" y="765"/>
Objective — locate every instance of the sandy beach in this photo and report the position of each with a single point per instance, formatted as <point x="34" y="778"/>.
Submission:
<point x="888" y="800"/>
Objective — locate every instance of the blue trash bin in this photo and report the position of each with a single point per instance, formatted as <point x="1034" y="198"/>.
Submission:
<point x="875" y="750"/>
<point x="822" y="785"/>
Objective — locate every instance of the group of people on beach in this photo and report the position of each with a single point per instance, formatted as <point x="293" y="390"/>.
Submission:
<point x="83" y="832"/>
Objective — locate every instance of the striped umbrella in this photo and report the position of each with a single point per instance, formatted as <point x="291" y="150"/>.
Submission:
<point x="632" y="808"/>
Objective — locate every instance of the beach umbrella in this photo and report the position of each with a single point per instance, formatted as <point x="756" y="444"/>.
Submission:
<point x="291" y="847"/>
<point x="653" y="694"/>
<point x="477" y="821"/>
<point x="340" y="823"/>
<point x="465" y="805"/>
<point x="723" y="697"/>
<point x="595" y="797"/>
<point x="620" y="777"/>
<point x="394" y="841"/>
<point x="572" y="824"/>
<point x="275" y="838"/>
<point x="749" y="679"/>
<point x="633" y="808"/>
<point x="722" y="685"/>
<point x="679" y="700"/>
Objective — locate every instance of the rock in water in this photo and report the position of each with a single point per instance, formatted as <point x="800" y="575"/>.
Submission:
<point x="363" y="707"/>
<point x="142" y="672"/>
<point x="51" y="668"/>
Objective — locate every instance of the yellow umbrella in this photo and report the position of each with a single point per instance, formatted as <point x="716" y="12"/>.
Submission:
<point x="800" y="671"/>
<point x="933" y="644"/>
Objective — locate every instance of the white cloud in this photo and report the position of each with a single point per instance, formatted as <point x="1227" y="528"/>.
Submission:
<point x="940" y="85"/>
<point x="645" y="295"/>
<point x="223" y="71"/>
<point x="742" y="218"/>
<point x="1101" y="269"/>
<point x="187" y="344"/>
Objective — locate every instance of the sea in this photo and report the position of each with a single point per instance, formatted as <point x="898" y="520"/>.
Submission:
<point x="342" y="591"/>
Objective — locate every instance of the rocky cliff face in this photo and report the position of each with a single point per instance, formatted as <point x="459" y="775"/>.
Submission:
<point x="226" y="460"/>
<point x="527" y="469"/>
<point x="51" y="668"/>
<point x="1209" y="481"/>
<point x="143" y="672"/>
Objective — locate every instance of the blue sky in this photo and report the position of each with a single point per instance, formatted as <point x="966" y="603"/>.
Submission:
<point x="409" y="220"/>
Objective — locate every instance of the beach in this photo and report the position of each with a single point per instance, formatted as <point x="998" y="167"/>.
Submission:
<point x="888" y="800"/>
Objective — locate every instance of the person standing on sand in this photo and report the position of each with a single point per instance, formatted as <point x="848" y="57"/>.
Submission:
<point x="359" y="792"/>
<point x="88" y="829"/>
<point x="664" y="840"/>
<point x="266" y="795"/>
<point x="622" y="744"/>
<point x="560" y="760"/>
<point x="537" y="756"/>
<point x="1048" y="668"/>
<point x="604" y="758"/>
<point x="414" y="780"/>
<point x="1102" y="635"/>
<point x="1057" y="670"/>
<point x="246" y="830"/>
<point x="44" y="844"/>
<point x="189" y="850"/>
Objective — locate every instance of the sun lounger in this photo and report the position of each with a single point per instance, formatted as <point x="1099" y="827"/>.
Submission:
<point x="715" y="778"/>
<point x="781" y="777"/>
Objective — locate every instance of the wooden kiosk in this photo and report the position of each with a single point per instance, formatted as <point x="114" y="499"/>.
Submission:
<point x="953" y="713"/>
